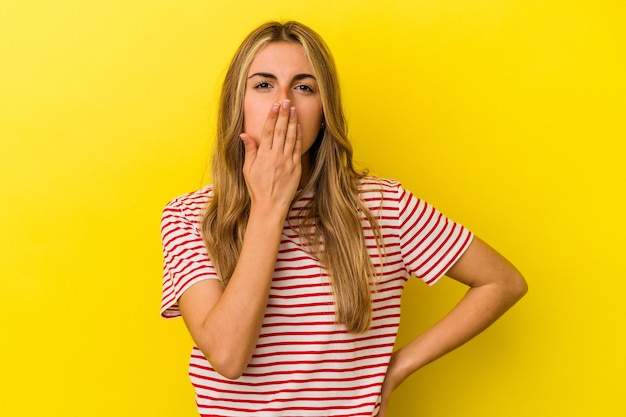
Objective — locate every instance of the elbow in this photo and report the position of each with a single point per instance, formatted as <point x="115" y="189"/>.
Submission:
<point x="517" y="286"/>
<point x="227" y="365"/>
<point x="229" y="371"/>
<point x="231" y="374"/>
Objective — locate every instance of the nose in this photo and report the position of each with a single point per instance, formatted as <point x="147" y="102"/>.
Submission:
<point x="285" y="93"/>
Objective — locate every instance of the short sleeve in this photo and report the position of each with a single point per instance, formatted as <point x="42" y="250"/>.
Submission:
<point x="430" y="242"/>
<point x="185" y="257"/>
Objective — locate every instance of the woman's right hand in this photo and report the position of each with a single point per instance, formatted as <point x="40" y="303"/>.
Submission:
<point x="272" y="166"/>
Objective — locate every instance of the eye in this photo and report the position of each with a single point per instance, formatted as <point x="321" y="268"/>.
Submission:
<point x="304" y="88"/>
<point x="262" y="85"/>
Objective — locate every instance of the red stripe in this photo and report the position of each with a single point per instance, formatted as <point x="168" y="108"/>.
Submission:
<point x="255" y="384"/>
<point x="319" y="352"/>
<point x="456" y="256"/>
<point x="320" y="343"/>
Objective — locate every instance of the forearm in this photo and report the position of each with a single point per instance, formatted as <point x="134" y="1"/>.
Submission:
<point x="479" y="308"/>
<point x="230" y="330"/>
<point x="495" y="285"/>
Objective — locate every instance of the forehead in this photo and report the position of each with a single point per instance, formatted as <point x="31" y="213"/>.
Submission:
<point x="279" y="57"/>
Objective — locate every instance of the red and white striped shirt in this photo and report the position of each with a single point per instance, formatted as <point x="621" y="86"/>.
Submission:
<point x="305" y="364"/>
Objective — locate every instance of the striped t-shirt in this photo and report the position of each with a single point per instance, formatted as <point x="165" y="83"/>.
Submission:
<point x="305" y="364"/>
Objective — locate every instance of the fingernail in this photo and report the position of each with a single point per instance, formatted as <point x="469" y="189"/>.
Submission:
<point x="275" y="107"/>
<point x="292" y="111"/>
<point x="286" y="104"/>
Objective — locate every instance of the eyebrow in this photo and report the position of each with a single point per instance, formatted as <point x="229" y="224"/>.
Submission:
<point x="296" y="77"/>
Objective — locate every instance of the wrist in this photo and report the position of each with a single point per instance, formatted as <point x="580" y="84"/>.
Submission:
<point x="401" y="366"/>
<point x="266" y="220"/>
<point x="268" y="213"/>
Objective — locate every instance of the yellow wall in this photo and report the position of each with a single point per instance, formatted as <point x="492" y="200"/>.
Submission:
<point x="507" y="115"/>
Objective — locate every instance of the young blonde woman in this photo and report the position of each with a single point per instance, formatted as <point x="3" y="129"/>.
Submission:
<point x="288" y="269"/>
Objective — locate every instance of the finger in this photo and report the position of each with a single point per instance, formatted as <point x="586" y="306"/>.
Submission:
<point x="297" y="152"/>
<point x="268" y="128"/>
<point x="280" y="129"/>
<point x="290" y="137"/>
<point x="249" y="144"/>
<point x="250" y="148"/>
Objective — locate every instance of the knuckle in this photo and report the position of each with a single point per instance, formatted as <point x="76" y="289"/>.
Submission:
<point x="268" y="131"/>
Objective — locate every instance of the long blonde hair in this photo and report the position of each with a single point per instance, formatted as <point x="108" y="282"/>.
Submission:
<point x="332" y="222"/>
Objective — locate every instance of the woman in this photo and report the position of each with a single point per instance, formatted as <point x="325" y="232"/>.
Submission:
<point x="288" y="269"/>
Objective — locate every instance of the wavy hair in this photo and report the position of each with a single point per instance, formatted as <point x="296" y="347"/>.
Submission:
<point x="333" y="221"/>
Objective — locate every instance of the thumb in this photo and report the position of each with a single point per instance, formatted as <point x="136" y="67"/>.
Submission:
<point x="249" y="144"/>
<point x="251" y="148"/>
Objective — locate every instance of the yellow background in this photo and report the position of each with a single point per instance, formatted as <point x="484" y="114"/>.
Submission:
<point x="506" y="115"/>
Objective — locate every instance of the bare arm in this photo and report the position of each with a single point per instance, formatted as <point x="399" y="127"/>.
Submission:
<point x="495" y="286"/>
<point x="225" y="323"/>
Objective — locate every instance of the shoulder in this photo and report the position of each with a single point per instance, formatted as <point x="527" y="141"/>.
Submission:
<point x="387" y="194"/>
<point x="190" y="205"/>
<point x="377" y="184"/>
<point x="383" y="187"/>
